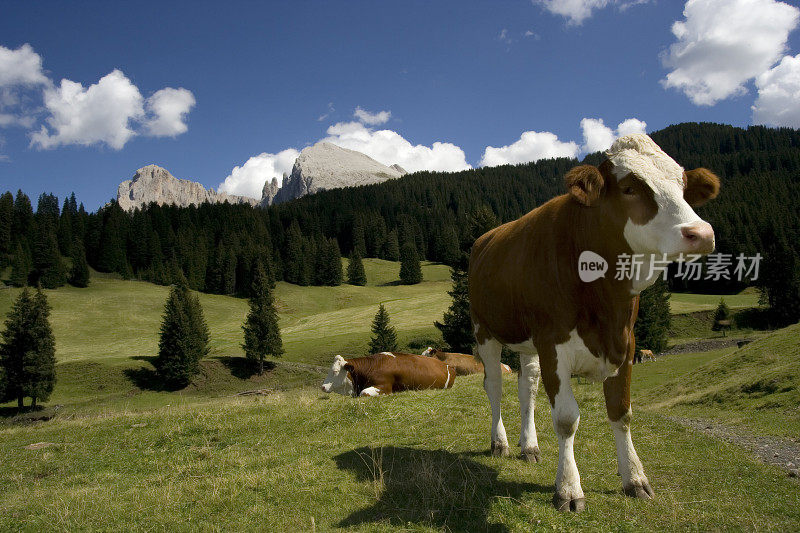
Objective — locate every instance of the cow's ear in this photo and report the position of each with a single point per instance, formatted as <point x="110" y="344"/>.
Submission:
<point x="702" y="185"/>
<point x="585" y="183"/>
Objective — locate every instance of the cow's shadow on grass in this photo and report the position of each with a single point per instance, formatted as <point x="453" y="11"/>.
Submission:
<point x="434" y="488"/>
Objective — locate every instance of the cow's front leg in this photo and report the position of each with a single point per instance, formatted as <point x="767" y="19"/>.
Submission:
<point x="489" y="352"/>
<point x="617" y="390"/>
<point x="556" y="373"/>
<point x="527" y="387"/>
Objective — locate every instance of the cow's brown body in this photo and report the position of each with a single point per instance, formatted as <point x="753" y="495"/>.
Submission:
<point x="390" y="372"/>
<point x="464" y="364"/>
<point x="526" y="293"/>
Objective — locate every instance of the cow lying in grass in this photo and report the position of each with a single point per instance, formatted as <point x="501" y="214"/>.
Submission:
<point x="464" y="364"/>
<point x="385" y="373"/>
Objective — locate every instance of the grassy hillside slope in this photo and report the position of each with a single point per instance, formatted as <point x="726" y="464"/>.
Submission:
<point x="106" y="333"/>
<point x="757" y="386"/>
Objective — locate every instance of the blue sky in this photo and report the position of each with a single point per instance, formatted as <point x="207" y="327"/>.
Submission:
<point x="202" y="88"/>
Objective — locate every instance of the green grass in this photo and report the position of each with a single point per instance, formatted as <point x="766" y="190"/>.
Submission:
<point x="756" y="387"/>
<point x="680" y="303"/>
<point x="413" y="461"/>
<point x="127" y="458"/>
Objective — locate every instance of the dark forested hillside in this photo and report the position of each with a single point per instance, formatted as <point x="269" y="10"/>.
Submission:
<point x="217" y="246"/>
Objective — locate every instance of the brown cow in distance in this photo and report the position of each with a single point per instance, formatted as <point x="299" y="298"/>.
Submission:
<point x="464" y="364"/>
<point x="538" y="285"/>
<point x="385" y="373"/>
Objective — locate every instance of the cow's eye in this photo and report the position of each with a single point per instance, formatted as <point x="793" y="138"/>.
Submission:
<point x="628" y="190"/>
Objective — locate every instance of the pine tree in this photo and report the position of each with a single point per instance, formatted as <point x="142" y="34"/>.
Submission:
<point x="21" y="266"/>
<point x="456" y="325"/>
<point x="262" y="336"/>
<point x="184" y="338"/>
<point x="359" y="243"/>
<point x="48" y="269"/>
<point x="6" y="220"/>
<point x="410" y="268"/>
<point x="355" y="270"/>
<point x="27" y="350"/>
<point x="392" y="247"/>
<point x="331" y="273"/>
<point x="384" y="337"/>
<point x="652" y="325"/>
<point x="722" y="316"/>
<point x="294" y="259"/>
<point x="79" y="275"/>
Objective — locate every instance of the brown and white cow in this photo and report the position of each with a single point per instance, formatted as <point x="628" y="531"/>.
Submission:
<point x="526" y="293"/>
<point x="464" y="364"/>
<point x="385" y="373"/>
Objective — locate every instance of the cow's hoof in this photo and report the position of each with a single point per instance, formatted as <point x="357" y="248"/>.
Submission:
<point x="531" y="454"/>
<point x="640" y="490"/>
<point x="499" y="449"/>
<point x="565" y="503"/>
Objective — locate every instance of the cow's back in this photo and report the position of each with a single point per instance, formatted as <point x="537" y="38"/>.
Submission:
<point x="464" y="364"/>
<point x="397" y="371"/>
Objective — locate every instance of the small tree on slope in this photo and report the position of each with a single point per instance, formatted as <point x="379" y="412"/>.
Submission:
<point x="410" y="269"/>
<point x="184" y="338"/>
<point x="355" y="270"/>
<point x="456" y="325"/>
<point x="652" y="325"/>
<point x="384" y="337"/>
<point x="27" y="350"/>
<point x="262" y="336"/>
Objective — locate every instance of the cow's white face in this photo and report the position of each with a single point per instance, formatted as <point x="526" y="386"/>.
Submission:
<point x="338" y="381"/>
<point x="655" y="189"/>
<point x="429" y="352"/>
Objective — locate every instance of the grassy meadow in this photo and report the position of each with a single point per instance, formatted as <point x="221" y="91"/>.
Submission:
<point x="119" y="456"/>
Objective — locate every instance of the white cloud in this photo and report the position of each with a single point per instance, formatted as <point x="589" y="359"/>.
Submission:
<point x="576" y="11"/>
<point x="249" y="179"/>
<point x="722" y="44"/>
<point x="168" y="108"/>
<point x="328" y="113"/>
<point x="531" y="146"/>
<point x="372" y="119"/>
<point x="111" y="112"/>
<point x="503" y="36"/>
<point x="778" y="102"/>
<point x="598" y="137"/>
<point x="22" y="66"/>
<point x="101" y="113"/>
<point x="389" y="147"/>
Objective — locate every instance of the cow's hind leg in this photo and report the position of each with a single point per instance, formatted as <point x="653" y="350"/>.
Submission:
<point x="489" y="352"/>
<point x="617" y="391"/>
<point x="556" y="378"/>
<point x="527" y="387"/>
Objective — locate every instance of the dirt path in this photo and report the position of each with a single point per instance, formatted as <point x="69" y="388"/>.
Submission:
<point x="703" y="345"/>
<point x="781" y="452"/>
